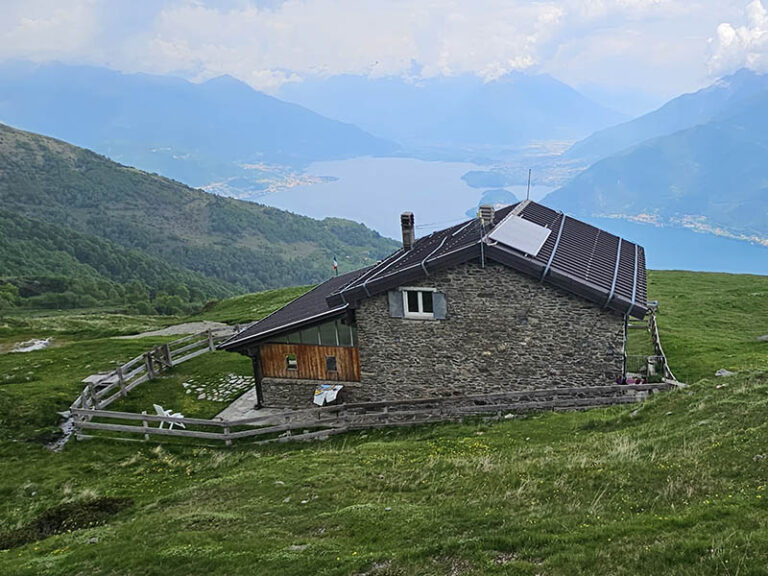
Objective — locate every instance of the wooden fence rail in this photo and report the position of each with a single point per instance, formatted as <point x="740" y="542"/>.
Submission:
<point x="88" y="412"/>
<point x="653" y="327"/>
<point x="118" y="383"/>
<point x="328" y="420"/>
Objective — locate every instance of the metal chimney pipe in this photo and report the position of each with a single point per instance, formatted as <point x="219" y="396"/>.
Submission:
<point x="409" y="233"/>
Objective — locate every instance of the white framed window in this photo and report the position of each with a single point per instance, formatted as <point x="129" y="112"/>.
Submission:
<point x="418" y="303"/>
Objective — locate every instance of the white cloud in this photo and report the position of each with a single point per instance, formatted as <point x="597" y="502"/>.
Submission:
<point x="743" y="45"/>
<point x="378" y="37"/>
<point x="269" y="42"/>
<point x="46" y="29"/>
<point x="267" y="46"/>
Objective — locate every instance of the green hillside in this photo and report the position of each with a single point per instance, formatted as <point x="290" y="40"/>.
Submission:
<point x="51" y="266"/>
<point x="132" y="224"/>
<point x="675" y="486"/>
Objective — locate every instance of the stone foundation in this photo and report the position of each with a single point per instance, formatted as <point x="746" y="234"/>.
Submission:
<point x="286" y="393"/>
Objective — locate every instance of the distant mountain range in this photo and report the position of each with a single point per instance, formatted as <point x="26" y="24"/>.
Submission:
<point x="699" y="161"/>
<point x="195" y="133"/>
<point x="711" y="175"/>
<point x="461" y="116"/>
<point x="68" y="212"/>
<point x="680" y="113"/>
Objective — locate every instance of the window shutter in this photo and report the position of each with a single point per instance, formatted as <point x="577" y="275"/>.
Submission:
<point x="395" y="304"/>
<point x="440" y="306"/>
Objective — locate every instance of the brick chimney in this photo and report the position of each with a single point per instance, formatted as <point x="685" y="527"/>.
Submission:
<point x="487" y="212"/>
<point x="409" y="234"/>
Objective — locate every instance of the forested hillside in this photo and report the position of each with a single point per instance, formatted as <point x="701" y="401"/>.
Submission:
<point x="88" y="216"/>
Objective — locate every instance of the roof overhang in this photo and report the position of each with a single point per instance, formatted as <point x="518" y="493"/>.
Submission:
<point x="237" y="344"/>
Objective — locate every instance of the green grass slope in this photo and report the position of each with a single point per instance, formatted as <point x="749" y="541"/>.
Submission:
<point x="242" y="244"/>
<point x="676" y="485"/>
<point x="710" y="321"/>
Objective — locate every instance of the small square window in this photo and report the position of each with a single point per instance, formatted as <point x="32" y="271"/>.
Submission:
<point x="418" y="304"/>
<point x="291" y="362"/>
<point x="330" y="364"/>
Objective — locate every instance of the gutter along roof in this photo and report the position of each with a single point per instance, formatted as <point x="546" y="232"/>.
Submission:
<point x="576" y="257"/>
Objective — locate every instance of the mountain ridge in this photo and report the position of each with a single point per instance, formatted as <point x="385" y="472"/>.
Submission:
<point x="456" y="112"/>
<point x="680" y="113"/>
<point x="196" y="133"/>
<point x="710" y="177"/>
<point x="225" y="244"/>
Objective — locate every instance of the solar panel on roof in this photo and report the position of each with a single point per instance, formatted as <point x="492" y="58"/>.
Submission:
<point x="520" y="234"/>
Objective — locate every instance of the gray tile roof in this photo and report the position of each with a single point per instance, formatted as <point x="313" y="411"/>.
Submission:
<point x="587" y="261"/>
<point x="576" y="257"/>
<point x="308" y="308"/>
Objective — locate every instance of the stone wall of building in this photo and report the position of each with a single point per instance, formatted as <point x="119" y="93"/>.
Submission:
<point x="296" y="393"/>
<point x="504" y="331"/>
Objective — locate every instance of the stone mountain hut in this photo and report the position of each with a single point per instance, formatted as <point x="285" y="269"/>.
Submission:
<point x="520" y="298"/>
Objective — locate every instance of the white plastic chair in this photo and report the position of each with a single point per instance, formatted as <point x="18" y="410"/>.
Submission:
<point x="170" y="415"/>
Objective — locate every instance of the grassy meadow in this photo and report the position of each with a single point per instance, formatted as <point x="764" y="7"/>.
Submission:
<point x="676" y="485"/>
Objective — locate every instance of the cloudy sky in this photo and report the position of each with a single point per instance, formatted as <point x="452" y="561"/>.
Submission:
<point x="657" y="48"/>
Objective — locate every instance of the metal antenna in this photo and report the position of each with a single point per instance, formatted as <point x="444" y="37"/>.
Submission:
<point x="528" y="193"/>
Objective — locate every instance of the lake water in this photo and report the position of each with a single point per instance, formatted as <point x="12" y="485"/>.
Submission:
<point x="683" y="249"/>
<point x="375" y="191"/>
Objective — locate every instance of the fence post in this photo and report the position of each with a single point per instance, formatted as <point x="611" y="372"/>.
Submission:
<point x="92" y="395"/>
<point x="145" y="425"/>
<point x="167" y="355"/>
<point x="227" y="439"/>
<point x="211" y="347"/>
<point x="121" y="381"/>
<point x="148" y="364"/>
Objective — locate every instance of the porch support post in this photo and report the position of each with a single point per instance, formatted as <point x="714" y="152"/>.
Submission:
<point x="258" y="375"/>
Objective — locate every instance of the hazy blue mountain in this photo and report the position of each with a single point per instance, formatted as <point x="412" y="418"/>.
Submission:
<point x="196" y="133"/>
<point x="457" y="112"/>
<point x="680" y="113"/>
<point x="712" y="176"/>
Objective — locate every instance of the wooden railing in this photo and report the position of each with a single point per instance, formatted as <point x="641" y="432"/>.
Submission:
<point x="653" y="327"/>
<point x="116" y="384"/>
<point x="322" y="422"/>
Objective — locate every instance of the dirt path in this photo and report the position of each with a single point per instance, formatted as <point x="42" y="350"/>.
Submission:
<point x="180" y="329"/>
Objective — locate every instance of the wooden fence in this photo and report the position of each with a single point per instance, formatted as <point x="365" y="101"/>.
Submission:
<point x="322" y="422"/>
<point x="653" y="327"/>
<point x="100" y="393"/>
